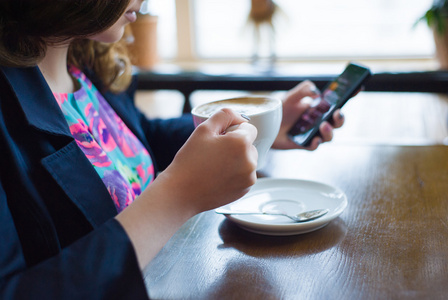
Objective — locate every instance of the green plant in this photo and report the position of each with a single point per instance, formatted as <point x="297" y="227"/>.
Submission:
<point x="436" y="16"/>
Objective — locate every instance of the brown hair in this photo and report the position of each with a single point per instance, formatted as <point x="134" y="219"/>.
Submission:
<point x="27" y="26"/>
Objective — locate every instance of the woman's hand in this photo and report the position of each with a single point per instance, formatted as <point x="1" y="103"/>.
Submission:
<point x="214" y="167"/>
<point x="217" y="164"/>
<point x="293" y="107"/>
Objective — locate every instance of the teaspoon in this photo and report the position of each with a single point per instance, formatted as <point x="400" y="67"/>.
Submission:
<point x="302" y="217"/>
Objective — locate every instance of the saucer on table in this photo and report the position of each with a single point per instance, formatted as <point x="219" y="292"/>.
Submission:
<point x="289" y="195"/>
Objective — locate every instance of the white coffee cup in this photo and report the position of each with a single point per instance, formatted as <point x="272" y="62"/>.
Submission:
<point x="265" y="114"/>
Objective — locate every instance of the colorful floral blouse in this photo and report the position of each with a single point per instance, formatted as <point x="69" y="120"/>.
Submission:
<point x="118" y="157"/>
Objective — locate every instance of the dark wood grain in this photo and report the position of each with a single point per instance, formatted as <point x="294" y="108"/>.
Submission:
<point x="389" y="243"/>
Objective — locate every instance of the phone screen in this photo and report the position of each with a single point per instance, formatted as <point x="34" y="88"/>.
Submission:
<point x="334" y="96"/>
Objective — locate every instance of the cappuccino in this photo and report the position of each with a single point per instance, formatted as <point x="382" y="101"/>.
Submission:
<point x="246" y="105"/>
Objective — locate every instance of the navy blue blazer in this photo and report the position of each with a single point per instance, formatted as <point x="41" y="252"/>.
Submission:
<point x="58" y="235"/>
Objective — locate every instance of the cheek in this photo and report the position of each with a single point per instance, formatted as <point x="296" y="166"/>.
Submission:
<point x="111" y="35"/>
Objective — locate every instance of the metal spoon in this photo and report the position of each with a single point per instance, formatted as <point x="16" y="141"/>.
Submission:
<point x="302" y="217"/>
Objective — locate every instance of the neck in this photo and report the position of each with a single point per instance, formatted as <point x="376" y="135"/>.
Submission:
<point x="54" y="70"/>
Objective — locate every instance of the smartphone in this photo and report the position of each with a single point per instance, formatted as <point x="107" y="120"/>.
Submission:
<point x="334" y="96"/>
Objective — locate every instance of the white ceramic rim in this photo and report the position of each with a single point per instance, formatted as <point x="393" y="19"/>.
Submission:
<point x="279" y="103"/>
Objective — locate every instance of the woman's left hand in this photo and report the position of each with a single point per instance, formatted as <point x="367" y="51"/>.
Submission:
<point x="293" y="107"/>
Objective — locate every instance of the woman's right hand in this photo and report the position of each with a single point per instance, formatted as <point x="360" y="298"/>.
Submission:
<point x="214" y="167"/>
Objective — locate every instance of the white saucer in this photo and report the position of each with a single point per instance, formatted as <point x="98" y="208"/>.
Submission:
<point x="291" y="195"/>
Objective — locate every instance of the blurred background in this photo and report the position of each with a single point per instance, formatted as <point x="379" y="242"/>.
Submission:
<point x="231" y="38"/>
<point x="217" y="31"/>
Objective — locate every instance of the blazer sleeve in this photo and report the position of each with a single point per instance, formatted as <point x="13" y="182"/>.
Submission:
<point x="101" y="265"/>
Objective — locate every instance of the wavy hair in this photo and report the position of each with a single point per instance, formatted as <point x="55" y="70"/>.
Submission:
<point x="28" y="26"/>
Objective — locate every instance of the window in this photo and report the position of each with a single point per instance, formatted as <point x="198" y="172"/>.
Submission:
<point x="317" y="29"/>
<point x="166" y="26"/>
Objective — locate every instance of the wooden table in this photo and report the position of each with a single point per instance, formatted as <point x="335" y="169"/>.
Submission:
<point x="391" y="242"/>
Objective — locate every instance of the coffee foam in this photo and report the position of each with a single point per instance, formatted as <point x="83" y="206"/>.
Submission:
<point x="248" y="106"/>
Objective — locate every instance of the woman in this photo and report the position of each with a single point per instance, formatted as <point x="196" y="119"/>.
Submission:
<point x="75" y="154"/>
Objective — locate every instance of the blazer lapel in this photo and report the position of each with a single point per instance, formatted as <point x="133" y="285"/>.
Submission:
<point x="68" y="166"/>
<point x="36" y="100"/>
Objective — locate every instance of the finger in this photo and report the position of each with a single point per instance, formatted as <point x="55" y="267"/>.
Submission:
<point x="252" y="158"/>
<point x="315" y="92"/>
<point x="309" y="89"/>
<point x="315" y="142"/>
<point x="326" y="131"/>
<point x="231" y="128"/>
<point x="223" y="119"/>
<point x="245" y="129"/>
<point x="305" y="89"/>
<point x="338" y="119"/>
<point x="302" y="107"/>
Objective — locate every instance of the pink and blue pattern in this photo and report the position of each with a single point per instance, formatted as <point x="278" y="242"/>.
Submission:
<point x="119" y="158"/>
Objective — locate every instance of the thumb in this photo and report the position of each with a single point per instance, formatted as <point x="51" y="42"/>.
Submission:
<point x="224" y="120"/>
<point x="304" y="89"/>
